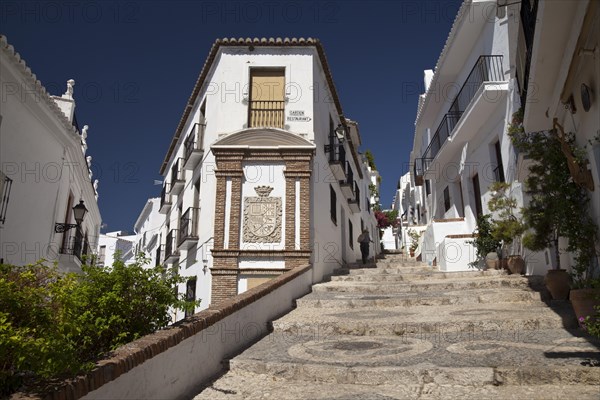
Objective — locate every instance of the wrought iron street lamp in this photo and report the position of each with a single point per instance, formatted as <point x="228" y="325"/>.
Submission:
<point x="340" y="132"/>
<point x="79" y="212"/>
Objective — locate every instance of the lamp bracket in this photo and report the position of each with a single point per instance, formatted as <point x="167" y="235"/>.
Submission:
<point x="60" y="227"/>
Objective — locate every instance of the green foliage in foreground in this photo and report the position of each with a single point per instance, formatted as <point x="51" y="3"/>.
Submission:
<point x="53" y="324"/>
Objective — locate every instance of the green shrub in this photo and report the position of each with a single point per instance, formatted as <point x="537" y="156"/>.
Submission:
<point x="53" y="324"/>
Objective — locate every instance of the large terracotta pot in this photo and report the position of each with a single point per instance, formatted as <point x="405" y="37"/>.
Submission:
<point x="516" y="264"/>
<point x="492" y="261"/>
<point x="558" y="282"/>
<point x="584" y="301"/>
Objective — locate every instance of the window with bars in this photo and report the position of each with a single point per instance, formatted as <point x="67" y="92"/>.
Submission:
<point x="267" y="98"/>
<point x="333" y="204"/>
<point x="350" y="234"/>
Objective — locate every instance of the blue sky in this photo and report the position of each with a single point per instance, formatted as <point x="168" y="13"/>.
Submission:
<point x="135" y="64"/>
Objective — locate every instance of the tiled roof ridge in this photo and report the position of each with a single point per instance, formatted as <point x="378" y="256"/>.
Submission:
<point x="246" y="42"/>
<point x="39" y="87"/>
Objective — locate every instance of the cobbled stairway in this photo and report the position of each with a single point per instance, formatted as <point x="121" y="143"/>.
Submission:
<point x="402" y="330"/>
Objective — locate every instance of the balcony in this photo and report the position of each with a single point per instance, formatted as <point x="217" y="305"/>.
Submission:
<point x="419" y="168"/>
<point x="177" y="178"/>
<point x="266" y="113"/>
<point x="354" y="201"/>
<point x="188" y="227"/>
<point x="165" y="199"/>
<point x="486" y="69"/>
<point x="337" y="158"/>
<point x="75" y="246"/>
<point x="194" y="147"/>
<point x="347" y="185"/>
<point x="171" y="250"/>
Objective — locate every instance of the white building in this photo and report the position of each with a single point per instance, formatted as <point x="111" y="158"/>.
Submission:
<point x="256" y="179"/>
<point x="112" y="243"/>
<point x="559" y="67"/>
<point x="147" y="229"/>
<point x="461" y="145"/>
<point x="44" y="171"/>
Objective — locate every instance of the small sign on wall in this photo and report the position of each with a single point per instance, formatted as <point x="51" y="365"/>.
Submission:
<point x="298" y="116"/>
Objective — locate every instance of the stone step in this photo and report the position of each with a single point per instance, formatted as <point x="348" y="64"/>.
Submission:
<point x="391" y="270"/>
<point x="504" y="358"/>
<point x="254" y="387"/>
<point x="507" y="281"/>
<point x="392" y="321"/>
<point x="355" y="300"/>
<point x="385" y="276"/>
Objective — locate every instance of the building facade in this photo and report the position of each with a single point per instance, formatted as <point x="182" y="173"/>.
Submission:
<point x="461" y="144"/>
<point x="540" y="57"/>
<point x="559" y="89"/>
<point x="45" y="172"/>
<point x="263" y="173"/>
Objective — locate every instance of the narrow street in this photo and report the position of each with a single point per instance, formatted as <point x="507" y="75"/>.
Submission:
<point x="402" y="330"/>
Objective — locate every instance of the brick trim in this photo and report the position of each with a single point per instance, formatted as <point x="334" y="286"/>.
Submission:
<point x="129" y="356"/>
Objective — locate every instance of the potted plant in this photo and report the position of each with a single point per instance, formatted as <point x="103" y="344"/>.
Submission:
<point x="414" y="241"/>
<point x="558" y="206"/>
<point x="507" y="226"/>
<point x="486" y="246"/>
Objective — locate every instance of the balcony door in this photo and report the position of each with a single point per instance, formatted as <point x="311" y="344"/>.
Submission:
<point x="267" y="101"/>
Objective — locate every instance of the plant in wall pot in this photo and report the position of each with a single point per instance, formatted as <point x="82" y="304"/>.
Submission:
<point x="558" y="207"/>
<point x="486" y="246"/>
<point x="414" y="241"/>
<point x="507" y="226"/>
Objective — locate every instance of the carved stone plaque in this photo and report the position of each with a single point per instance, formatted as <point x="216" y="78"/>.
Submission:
<point x="262" y="217"/>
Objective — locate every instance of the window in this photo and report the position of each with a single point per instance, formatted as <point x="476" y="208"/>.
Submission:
<point x="333" y="204"/>
<point x="427" y="187"/>
<point x="499" y="170"/>
<point x="190" y="294"/>
<point x="267" y="98"/>
<point x="447" y="198"/>
<point x="5" y="186"/>
<point x="477" y="194"/>
<point x="102" y="255"/>
<point x="350" y="234"/>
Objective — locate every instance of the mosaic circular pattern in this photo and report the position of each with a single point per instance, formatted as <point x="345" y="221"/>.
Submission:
<point x="485" y="347"/>
<point x="359" y="350"/>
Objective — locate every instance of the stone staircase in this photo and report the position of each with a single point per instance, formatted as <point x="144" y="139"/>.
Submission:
<point x="402" y="330"/>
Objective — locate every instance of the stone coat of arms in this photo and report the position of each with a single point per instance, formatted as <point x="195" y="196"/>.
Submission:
<point x="262" y="217"/>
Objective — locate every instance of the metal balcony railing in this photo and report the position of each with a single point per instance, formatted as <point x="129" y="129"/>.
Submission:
<point x="165" y="198"/>
<point x="5" y="186"/>
<point x="171" y="250"/>
<point x="421" y="165"/>
<point x="177" y="172"/>
<point x="337" y="153"/>
<point x="486" y="69"/>
<point x="76" y="246"/>
<point x="194" y="146"/>
<point x="354" y="202"/>
<point x="266" y="113"/>
<point x="188" y="225"/>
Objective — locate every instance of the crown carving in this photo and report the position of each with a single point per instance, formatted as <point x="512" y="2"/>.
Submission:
<point x="263" y="191"/>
